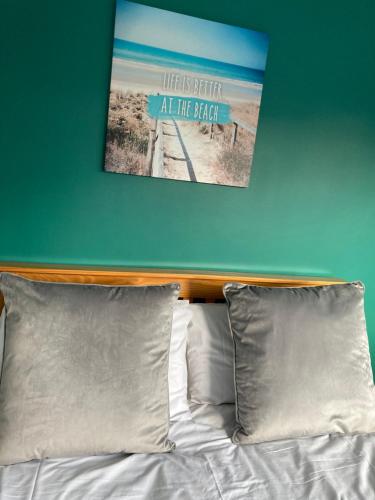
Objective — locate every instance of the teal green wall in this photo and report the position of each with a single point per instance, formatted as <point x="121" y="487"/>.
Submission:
<point x="310" y="208"/>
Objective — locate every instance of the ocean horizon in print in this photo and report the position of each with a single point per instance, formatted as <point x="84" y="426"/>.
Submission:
<point x="124" y="49"/>
<point x="184" y="98"/>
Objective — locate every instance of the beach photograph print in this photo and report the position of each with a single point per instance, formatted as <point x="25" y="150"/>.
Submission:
<point x="184" y="97"/>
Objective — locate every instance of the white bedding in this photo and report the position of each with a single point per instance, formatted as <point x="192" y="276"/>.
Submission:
<point x="206" y="466"/>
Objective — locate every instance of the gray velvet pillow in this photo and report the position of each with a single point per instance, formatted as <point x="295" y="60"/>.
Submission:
<point x="85" y="369"/>
<point x="302" y="364"/>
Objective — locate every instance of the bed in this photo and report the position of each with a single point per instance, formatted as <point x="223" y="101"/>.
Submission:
<point x="205" y="464"/>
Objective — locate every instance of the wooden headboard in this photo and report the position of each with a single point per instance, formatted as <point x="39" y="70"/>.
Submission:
<point x="196" y="286"/>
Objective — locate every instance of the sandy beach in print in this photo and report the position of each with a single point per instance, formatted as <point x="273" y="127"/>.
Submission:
<point x="141" y="143"/>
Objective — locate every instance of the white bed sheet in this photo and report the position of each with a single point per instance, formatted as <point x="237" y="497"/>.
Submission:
<point x="206" y="466"/>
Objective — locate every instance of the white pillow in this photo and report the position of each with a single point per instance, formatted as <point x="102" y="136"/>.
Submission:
<point x="210" y="355"/>
<point x="177" y="375"/>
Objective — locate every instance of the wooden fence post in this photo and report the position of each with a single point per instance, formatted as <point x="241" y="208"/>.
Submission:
<point x="150" y="147"/>
<point x="157" y="169"/>
<point x="234" y="134"/>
